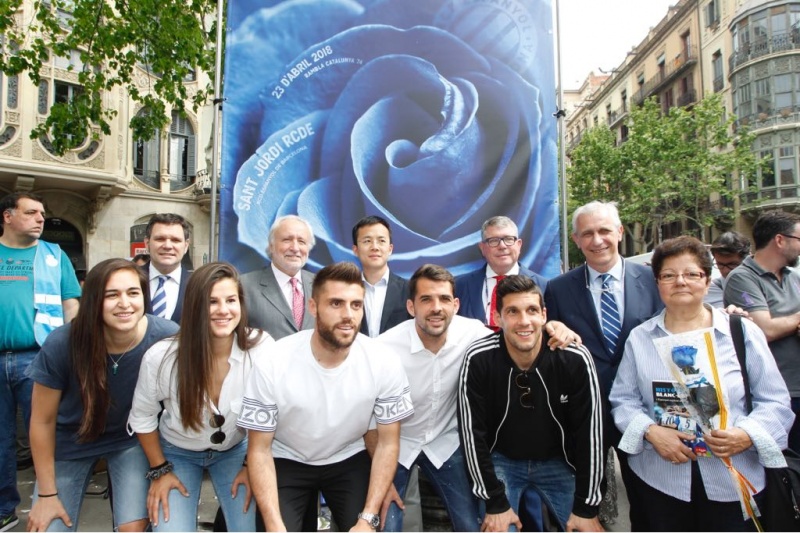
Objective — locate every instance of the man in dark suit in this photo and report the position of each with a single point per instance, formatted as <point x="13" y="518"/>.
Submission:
<point x="386" y="293"/>
<point x="575" y="298"/>
<point x="277" y="295"/>
<point x="500" y="245"/>
<point x="167" y="240"/>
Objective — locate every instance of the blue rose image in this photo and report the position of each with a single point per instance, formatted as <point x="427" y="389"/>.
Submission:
<point x="435" y="114"/>
<point x="684" y="356"/>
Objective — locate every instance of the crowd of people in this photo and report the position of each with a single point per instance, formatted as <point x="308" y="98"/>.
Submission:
<point x="508" y="391"/>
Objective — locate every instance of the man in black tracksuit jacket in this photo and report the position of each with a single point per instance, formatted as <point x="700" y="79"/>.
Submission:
<point x="531" y="417"/>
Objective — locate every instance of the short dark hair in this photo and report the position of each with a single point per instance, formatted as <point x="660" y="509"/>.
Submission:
<point x="517" y="284"/>
<point x="731" y="243"/>
<point x="772" y="223"/>
<point x="141" y="257"/>
<point x="168" y="219"/>
<point x="430" y="272"/>
<point x="370" y="221"/>
<point x="684" y="244"/>
<point x="344" y="271"/>
<point x="11" y="201"/>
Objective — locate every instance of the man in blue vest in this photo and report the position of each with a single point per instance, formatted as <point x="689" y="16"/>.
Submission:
<point x="40" y="293"/>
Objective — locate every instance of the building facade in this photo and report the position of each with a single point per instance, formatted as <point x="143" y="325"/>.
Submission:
<point x="99" y="196"/>
<point x="747" y="51"/>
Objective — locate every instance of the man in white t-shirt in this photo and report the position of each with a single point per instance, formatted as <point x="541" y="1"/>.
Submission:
<point x="308" y="406"/>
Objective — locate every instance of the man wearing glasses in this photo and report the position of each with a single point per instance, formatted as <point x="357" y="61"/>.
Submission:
<point x="767" y="285"/>
<point x="729" y="250"/>
<point x="531" y="418"/>
<point x="500" y="245"/>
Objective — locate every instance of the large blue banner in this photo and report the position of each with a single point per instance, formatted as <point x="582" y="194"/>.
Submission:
<point x="435" y="114"/>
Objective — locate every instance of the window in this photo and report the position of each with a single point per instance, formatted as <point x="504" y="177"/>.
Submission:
<point x="787" y="165"/>
<point x="712" y="14"/>
<point x="718" y="68"/>
<point x="608" y="113"/>
<point x="767" y="169"/>
<point x="181" y="152"/>
<point x="640" y="78"/>
<point x="147" y="158"/>
<point x="64" y="92"/>
<point x="667" y="101"/>
<point x="743" y="101"/>
<point x="783" y="92"/>
<point x="624" y="97"/>
<point x="763" y="99"/>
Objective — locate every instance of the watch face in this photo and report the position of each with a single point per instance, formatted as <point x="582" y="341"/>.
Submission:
<point x="375" y="521"/>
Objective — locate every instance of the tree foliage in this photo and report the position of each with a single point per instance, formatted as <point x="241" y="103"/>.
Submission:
<point x="668" y="170"/>
<point x="170" y="39"/>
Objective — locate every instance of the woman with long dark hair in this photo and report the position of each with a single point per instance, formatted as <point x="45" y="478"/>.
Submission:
<point x="199" y="377"/>
<point x="84" y="378"/>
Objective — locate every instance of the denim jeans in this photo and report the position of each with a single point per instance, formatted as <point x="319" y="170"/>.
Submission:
<point x="222" y="468"/>
<point x="126" y="470"/>
<point x="15" y="392"/>
<point x="451" y="484"/>
<point x="553" y="479"/>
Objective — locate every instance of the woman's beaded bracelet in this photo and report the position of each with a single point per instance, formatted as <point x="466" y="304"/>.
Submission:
<point x="157" y="471"/>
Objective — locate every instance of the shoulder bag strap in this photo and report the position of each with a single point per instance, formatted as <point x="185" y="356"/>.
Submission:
<point x="737" y="332"/>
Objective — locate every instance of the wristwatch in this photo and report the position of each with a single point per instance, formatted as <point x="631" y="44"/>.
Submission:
<point x="373" y="520"/>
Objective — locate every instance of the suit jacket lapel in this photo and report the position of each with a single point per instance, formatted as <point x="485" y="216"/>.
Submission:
<point x="273" y="294"/>
<point x="392" y="295"/>
<point x="308" y="280"/>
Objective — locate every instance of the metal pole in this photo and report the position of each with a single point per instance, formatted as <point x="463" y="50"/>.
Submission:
<point x="562" y="158"/>
<point x="212" y="238"/>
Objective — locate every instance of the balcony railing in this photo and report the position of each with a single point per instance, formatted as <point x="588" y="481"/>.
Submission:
<point x="770" y="117"/>
<point x="689" y="97"/>
<point x="671" y="70"/>
<point x="719" y="83"/>
<point x="777" y="43"/>
<point x="617" y="115"/>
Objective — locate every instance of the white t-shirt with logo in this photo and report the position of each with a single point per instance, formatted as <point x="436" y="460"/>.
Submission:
<point x="320" y="415"/>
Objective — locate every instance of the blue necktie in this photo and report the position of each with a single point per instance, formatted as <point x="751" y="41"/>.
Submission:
<point x="610" y="315"/>
<point x="160" y="298"/>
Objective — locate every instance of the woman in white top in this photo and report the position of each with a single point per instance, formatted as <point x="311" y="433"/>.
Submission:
<point x="199" y="377"/>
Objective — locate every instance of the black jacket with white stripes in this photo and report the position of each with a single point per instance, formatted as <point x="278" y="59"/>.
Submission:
<point x="564" y="386"/>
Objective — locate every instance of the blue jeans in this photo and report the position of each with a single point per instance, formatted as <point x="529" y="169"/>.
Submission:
<point x="15" y="392"/>
<point x="451" y="484"/>
<point x="222" y="467"/>
<point x="126" y="470"/>
<point x="553" y="479"/>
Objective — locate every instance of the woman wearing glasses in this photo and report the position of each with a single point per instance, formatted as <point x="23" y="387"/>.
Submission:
<point x="679" y="400"/>
<point x="199" y="377"/>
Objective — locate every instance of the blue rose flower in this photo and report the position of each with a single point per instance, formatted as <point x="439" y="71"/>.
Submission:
<point x="684" y="356"/>
<point x="395" y="108"/>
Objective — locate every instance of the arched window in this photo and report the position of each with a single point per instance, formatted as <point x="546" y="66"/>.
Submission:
<point x="147" y="158"/>
<point x="182" y="152"/>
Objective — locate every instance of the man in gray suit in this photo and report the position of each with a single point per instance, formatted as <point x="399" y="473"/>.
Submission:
<point x="277" y="295"/>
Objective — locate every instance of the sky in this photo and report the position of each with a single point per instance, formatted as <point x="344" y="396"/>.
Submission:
<point x="598" y="33"/>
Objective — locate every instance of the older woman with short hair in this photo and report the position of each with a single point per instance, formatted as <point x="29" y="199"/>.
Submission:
<point x="679" y="448"/>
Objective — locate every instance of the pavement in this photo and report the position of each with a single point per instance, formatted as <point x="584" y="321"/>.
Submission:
<point x="96" y="512"/>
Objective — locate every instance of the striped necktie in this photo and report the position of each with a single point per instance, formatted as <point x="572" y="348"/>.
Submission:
<point x="160" y="298"/>
<point x="610" y="315"/>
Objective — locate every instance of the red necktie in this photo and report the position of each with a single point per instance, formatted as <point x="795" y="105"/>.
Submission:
<point x="493" y="304"/>
<point x="297" y="304"/>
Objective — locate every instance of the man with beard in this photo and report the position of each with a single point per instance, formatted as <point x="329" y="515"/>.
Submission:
<point x="766" y="287"/>
<point x="308" y="406"/>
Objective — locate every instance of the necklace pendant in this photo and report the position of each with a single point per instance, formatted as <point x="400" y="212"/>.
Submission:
<point x="114" y="368"/>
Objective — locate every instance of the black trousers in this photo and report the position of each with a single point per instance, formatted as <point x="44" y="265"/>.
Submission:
<point x="344" y="485"/>
<point x="662" y="512"/>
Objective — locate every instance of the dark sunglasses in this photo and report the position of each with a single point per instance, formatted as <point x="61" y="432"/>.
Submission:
<point x="216" y="421"/>
<point x="523" y="383"/>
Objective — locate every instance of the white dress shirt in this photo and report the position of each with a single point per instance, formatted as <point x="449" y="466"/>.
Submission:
<point x="616" y="284"/>
<point x="157" y="383"/>
<point x="433" y="379"/>
<point x="374" y="299"/>
<point x="286" y="286"/>
<point x="172" y="287"/>
<point x="488" y="286"/>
